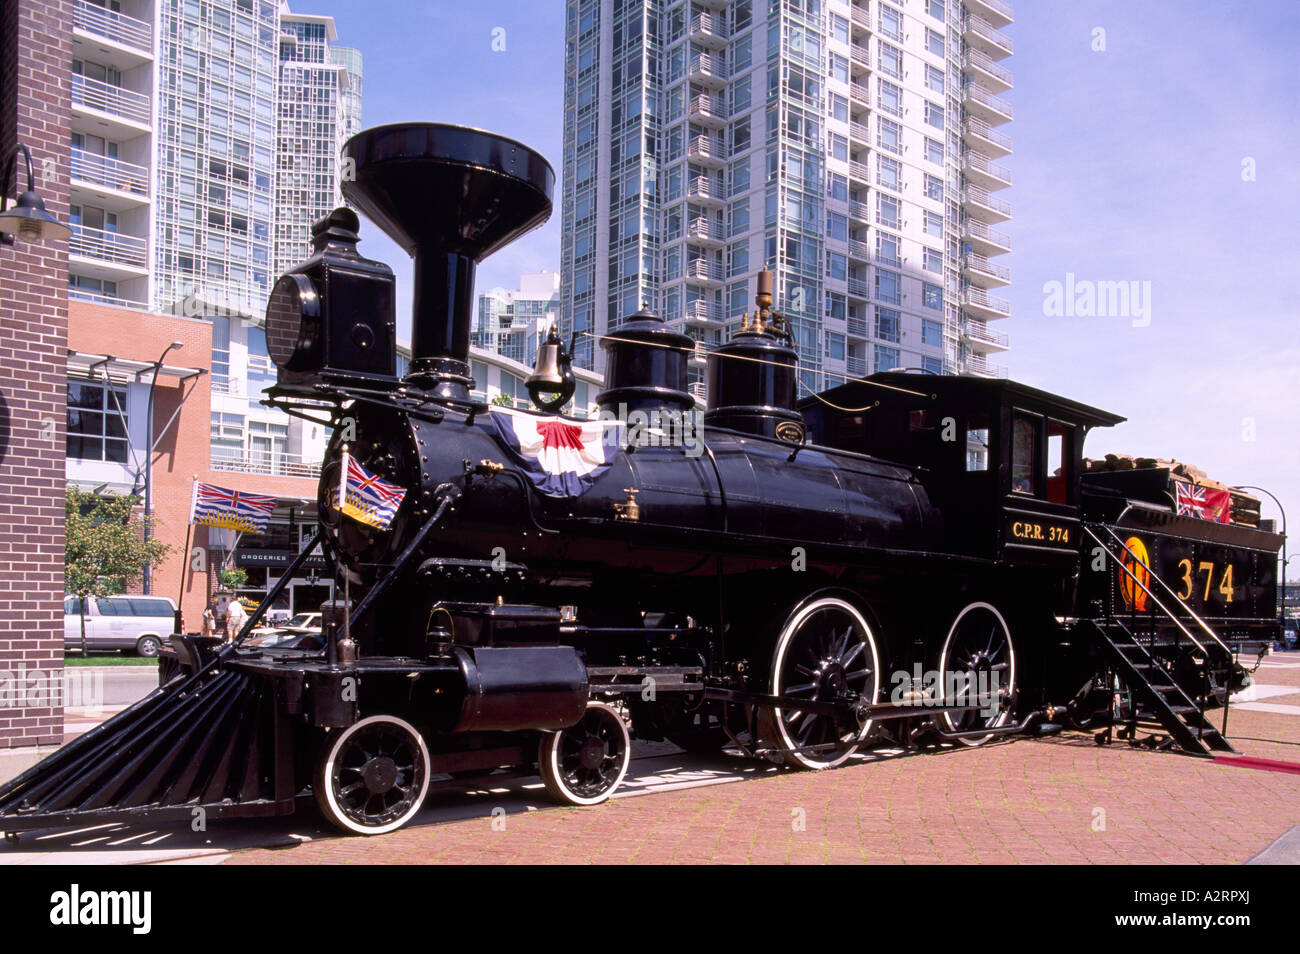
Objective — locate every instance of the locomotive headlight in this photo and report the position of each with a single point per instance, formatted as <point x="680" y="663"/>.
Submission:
<point x="294" y="336"/>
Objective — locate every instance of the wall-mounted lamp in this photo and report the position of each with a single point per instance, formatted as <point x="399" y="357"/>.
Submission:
<point x="28" y="218"/>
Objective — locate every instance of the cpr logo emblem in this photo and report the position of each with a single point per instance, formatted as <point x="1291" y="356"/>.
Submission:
<point x="1138" y="562"/>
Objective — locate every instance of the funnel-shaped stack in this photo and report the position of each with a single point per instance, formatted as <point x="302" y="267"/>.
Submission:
<point x="450" y="196"/>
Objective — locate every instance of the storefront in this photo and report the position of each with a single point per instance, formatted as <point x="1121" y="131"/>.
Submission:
<point x="264" y="557"/>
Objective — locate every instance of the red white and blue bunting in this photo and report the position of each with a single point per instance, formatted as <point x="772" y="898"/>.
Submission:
<point x="560" y="456"/>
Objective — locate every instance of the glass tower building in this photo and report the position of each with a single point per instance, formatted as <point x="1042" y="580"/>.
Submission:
<point x="850" y="147"/>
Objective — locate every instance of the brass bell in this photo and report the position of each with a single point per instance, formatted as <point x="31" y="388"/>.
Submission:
<point x="552" y="382"/>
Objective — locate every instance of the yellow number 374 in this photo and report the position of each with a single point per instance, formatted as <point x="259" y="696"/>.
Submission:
<point x="1206" y="567"/>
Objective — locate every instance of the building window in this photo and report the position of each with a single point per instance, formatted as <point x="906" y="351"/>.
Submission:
<point x="839" y="108"/>
<point x="889" y="97"/>
<point x="888" y="211"/>
<point x="934" y="42"/>
<point x="837" y="226"/>
<point x="888" y="323"/>
<point x="933" y="187"/>
<point x="839" y="28"/>
<point x="888" y="287"/>
<point x="96" y="431"/>
<point x="934" y="224"/>
<point x="835" y="346"/>
<point x="932" y="260"/>
<point x="891" y="60"/>
<point x="839" y="68"/>
<point x="839" y="186"/>
<point x="891" y="22"/>
<point x="931" y="333"/>
<point x="889" y="135"/>
<point x="934" y="151"/>
<point x="837" y="266"/>
<point x="933" y="115"/>
<point x="889" y="172"/>
<point x="932" y="365"/>
<point x="887" y="249"/>
<point x="935" y="8"/>
<point x="886" y="358"/>
<point x="839" y="148"/>
<point x="932" y="296"/>
<point x="934" y="78"/>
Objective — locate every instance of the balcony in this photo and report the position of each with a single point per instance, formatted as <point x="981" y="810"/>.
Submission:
<point x="699" y="390"/>
<point x="859" y="250"/>
<point x="124" y="111"/>
<point x="707" y="30"/>
<point x="707" y="149"/>
<point x="130" y="40"/>
<point x="981" y="304"/>
<point x="117" y="256"/>
<point x="126" y="184"/>
<point x="702" y="313"/>
<point x="861" y="16"/>
<point x="860" y="132"/>
<point x="982" y="137"/>
<point x="706" y="232"/>
<point x="707" y="191"/>
<point x="978" y="66"/>
<point x="859" y="212"/>
<point x="708" y="111"/>
<point x="700" y="355"/>
<point x="976" y="364"/>
<point x="983" y="105"/>
<point x="996" y="12"/>
<point x="856" y="367"/>
<point x="273" y="463"/>
<point x="858" y="288"/>
<point x="859" y="172"/>
<point x="860" y="56"/>
<point x="860" y="93"/>
<point x="707" y="69"/>
<point x="85" y="294"/>
<point x="982" y="172"/>
<point x="706" y="272"/>
<point x="984" y="37"/>
<point x="982" y="341"/>
<point x="984" y="240"/>
<point x="978" y="203"/>
<point x="982" y="273"/>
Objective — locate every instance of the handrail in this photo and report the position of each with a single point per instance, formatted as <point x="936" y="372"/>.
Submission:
<point x="1190" y="612"/>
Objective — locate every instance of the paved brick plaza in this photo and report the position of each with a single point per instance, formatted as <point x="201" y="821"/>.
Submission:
<point x="1027" y="801"/>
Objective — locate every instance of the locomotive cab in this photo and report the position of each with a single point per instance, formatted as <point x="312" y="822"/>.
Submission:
<point x="1001" y="460"/>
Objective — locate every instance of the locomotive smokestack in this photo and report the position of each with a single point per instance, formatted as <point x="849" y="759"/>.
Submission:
<point x="450" y="196"/>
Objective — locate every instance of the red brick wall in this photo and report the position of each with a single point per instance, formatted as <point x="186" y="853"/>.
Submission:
<point x="35" y="63"/>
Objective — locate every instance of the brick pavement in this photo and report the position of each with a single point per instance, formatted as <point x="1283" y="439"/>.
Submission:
<point x="1032" y="801"/>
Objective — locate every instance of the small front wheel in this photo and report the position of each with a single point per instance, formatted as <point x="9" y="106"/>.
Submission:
<point x="372" y="777"/>
<point x="583" y="764"/>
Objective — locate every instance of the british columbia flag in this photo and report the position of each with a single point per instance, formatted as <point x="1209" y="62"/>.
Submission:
<point x="560" y="456"/>
<point x="230" y="509"/>
<point x="366" y="497"/>
<point x="1204" y="502"/>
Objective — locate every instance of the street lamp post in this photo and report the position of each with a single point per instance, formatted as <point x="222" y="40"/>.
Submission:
<point x="1281" y="607"/>
<point x="148" y="458"/>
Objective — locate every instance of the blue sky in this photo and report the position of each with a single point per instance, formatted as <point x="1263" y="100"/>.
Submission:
<point x="1128" y="166"/>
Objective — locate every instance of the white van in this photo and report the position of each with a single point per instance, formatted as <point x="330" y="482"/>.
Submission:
<point x="138" y="623"/>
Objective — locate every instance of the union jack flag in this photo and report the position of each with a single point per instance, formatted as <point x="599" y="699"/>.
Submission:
<point x="366" y="497"/>
<point x="232" y="509"/>
<point x="1204" y="502"/>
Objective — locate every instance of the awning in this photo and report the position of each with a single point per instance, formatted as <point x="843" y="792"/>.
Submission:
<point x="124" y="370"/>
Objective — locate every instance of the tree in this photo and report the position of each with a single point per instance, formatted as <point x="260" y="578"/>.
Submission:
<point x="106" y="551"/>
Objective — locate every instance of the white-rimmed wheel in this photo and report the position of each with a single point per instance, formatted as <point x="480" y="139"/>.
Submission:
<point x="372" y="777"/>
<point x="826" y="653"/>
<point x="583" y="764"/>
<point x="978" y="665"/>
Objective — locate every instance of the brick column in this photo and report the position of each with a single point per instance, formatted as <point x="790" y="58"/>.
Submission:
<point x="35" y="64"/>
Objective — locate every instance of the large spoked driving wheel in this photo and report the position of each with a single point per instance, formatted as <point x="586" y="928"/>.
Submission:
<point x="826" y="653"/>
<point x="583" y="764"/>
<point x="978" y="665"/>
<point x="372" y="777"/>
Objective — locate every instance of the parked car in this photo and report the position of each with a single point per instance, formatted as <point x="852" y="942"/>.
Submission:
<point x="141" y="624"/>
<point x="287" y="639"/>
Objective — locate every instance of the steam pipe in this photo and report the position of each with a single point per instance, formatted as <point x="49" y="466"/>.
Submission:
<point x="443" y="297"/>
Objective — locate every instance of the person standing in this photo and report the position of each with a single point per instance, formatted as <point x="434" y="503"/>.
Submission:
<point x="210" y="618"/>
<point x="236" y="616"/>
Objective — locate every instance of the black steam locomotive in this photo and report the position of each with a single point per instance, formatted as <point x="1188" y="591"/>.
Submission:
<point x="913" y="558"/>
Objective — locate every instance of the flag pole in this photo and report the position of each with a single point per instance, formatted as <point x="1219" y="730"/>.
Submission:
<point x="185" y="553"/>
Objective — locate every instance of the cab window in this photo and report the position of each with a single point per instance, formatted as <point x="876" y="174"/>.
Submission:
<point x="1024" y="455"/>
<point x="1060" y="458"/>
